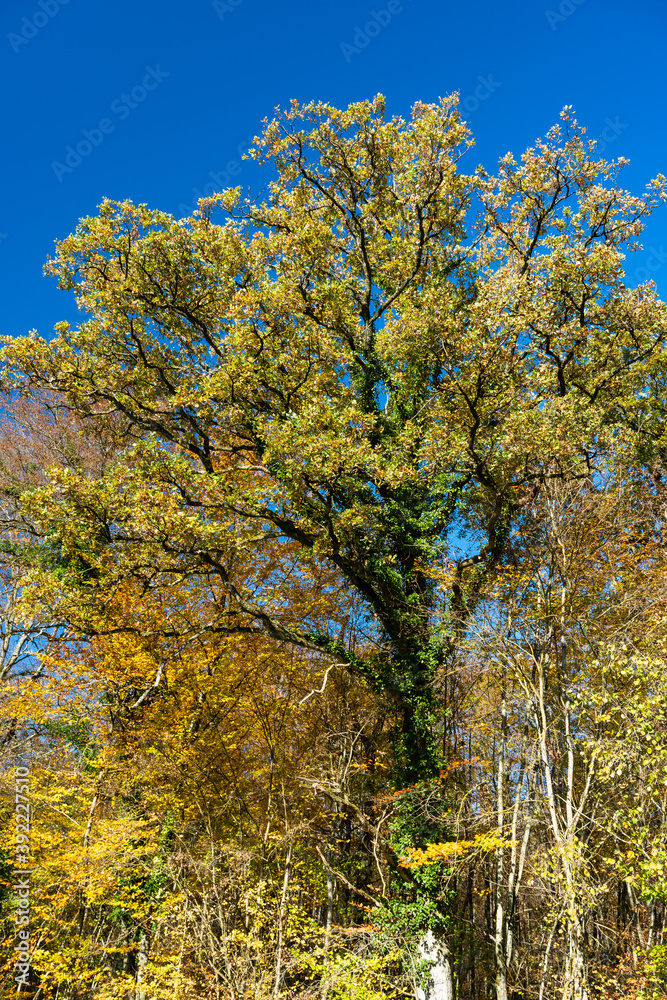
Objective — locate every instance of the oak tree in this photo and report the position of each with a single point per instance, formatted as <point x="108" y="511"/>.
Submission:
<point x="356" y="384"/>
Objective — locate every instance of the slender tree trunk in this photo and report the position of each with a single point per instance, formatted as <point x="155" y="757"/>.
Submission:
<point x="142" y="961"/>
<point x="499" y="930"/>
<point x="575" y="987"/>
<point x="281" y="917"/>
<point x="547" y="956"/>
<point x="330" y="902"/>
<point x="331" y="887"/>
<point x="471" y="912"/>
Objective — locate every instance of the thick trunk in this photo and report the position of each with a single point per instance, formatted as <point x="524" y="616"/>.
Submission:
<point x="440" y="985"/>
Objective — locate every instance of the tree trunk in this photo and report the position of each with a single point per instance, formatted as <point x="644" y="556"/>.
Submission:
<point x="142" y="960"/>
<point x="501" y="957"/>
<point x="281" y="917"/>
<point x="440" y="985"/>
<point x="575" y="967"/>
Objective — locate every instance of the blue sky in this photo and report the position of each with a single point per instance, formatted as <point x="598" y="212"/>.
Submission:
<point x="166" y="96"/>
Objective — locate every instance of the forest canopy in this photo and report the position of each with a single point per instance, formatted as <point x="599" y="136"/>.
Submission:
<point x="333" y="582"/>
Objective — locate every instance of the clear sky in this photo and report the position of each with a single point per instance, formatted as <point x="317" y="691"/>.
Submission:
<point x="160" y="98"/>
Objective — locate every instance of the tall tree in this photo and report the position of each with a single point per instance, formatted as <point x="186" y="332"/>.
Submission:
<point x="374" y="370"/>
